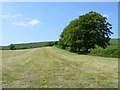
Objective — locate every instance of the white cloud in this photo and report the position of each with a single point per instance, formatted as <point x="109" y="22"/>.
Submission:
<point x="20" y="24"/>
<point x="28" y="23"/>
<point x="33" y="22"/>
<point x="105" y="15"/>
<point x="4" y="16"/>
<point x="7" y="15"/>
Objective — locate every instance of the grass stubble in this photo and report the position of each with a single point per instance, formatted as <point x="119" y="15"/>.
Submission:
<point x="50" y="67"/>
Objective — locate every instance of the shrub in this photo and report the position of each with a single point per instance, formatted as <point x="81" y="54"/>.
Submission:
<point x="106" y="52"/>
<point x="12" y="47"/>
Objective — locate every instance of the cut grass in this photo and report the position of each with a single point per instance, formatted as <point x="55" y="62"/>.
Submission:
<point x="56" y="68"/>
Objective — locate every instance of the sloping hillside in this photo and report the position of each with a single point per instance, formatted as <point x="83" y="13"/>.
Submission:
<point x="53" y="67"/>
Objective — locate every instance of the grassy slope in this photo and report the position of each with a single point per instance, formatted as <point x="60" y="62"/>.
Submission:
<point x="52" y="67"/>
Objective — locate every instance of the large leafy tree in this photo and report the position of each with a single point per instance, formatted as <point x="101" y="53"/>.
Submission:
<point x="86" y="32"/>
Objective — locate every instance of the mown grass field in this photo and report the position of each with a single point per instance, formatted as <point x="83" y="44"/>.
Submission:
<point x="55" y="68"/>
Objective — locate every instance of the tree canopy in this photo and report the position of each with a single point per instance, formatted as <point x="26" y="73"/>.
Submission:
<point x="86" y="32"/>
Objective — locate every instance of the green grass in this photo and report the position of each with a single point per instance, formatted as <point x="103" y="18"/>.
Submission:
<point x="56" y="68"/>
<point x="113" y="44"/>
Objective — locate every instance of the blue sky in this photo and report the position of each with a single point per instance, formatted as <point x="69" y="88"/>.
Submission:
<point x="37" y="21"/>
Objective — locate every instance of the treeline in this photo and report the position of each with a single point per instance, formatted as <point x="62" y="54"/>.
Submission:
<point x="111" y="51"/>
<point x="28" y="45"/>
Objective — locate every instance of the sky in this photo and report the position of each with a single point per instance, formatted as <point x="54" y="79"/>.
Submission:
<point x="24" y="22"/>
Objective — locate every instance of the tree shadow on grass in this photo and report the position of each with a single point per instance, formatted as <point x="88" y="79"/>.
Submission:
<point x="83" y="52"/>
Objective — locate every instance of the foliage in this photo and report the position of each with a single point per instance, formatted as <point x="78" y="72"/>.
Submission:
<point x="86" y="32"/>
<point x="106" y="52"/>
<point x="50" y="43"/>
<point x="12" y="47"/>
<point x="111" y="51"/>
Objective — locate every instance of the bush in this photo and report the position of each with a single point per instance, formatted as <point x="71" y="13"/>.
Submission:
<point x="50" y="44"/>
<point x="12" y="47"/>
<point x="106" y="52"/>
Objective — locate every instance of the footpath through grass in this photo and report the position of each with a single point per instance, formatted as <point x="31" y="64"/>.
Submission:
<point x="56" y="68"/>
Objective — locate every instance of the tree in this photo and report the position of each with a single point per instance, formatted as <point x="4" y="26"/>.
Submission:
<point x="86" y="32"/>
<point x="50" y="43"/>
<point x="12" y="47"/>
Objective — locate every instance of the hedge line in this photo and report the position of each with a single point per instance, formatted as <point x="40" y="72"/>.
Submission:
<point x="115" y="53"/>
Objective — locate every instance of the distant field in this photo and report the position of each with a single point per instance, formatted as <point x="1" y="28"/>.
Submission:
<point x="29" y="45"/>
<point x="113" y="42"/>
<point x="56" y="68"/>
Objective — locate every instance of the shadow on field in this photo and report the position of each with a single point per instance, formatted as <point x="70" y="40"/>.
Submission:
<point x="83" y="52"/>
